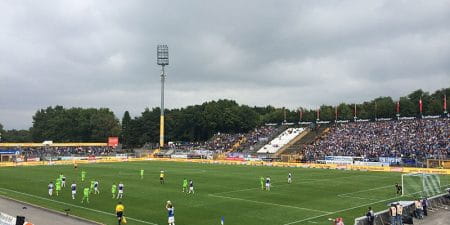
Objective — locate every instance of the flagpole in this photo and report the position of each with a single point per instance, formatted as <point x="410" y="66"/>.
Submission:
<point x="445" y="104"/>
<point x="398" y="109"/>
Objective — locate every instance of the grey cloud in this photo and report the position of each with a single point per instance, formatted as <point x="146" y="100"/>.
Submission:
<point x="294" y="53"/>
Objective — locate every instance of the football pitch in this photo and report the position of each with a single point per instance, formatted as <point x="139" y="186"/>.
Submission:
<point x="229" y="191"/>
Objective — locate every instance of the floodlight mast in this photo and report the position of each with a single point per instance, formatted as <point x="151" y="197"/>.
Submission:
<point x="162" y="60"/>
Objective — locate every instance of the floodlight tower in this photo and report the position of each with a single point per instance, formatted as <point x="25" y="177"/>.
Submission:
<point x="162" y="60"/>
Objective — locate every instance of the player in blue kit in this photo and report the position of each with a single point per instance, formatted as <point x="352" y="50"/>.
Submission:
<point x="171" y="213"/>
<point x="73" y="187"/>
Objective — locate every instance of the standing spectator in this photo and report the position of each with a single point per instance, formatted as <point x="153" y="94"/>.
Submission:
<point x="338" y="221"/>
<point x="418" y="209"/>
<point x="393" y="214"/>
<point x="399" y="208"/>
<point x="425" y="206"/>
<point x="370" y="216"/>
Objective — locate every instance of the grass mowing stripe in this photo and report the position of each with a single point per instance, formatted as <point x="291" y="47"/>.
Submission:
<point x="267" y="203"/>
<point x="76" y="206"/>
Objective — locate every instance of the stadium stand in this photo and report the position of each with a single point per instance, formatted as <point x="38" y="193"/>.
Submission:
<point x="417" y="139"/>
<point x="281" y="140"/>
<point x="259" y="137"/>
<point x="310" y="136"/>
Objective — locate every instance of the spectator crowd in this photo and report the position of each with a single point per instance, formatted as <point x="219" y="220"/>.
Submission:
<point x="66" y="151"/>
<point x="416" y="139"/>
<point x="222" y="142"/>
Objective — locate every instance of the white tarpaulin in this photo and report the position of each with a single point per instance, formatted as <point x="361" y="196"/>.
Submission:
<point x="6" y="219"/>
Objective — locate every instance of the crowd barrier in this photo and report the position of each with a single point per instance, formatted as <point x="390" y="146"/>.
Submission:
<point x="235" y="162"/>
<point x="382" y="217"/>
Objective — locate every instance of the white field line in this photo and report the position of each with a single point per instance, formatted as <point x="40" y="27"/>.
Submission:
<point x="347" y="209"/>
<point x="339" y="211"/>
<point x="348" y="195"/>
<point x="76" y="206"/>
<point x="248" y="189"/>
<point x="362" y="198"/>
<point x="268" y="203"/>
<point x="302" y="181"/>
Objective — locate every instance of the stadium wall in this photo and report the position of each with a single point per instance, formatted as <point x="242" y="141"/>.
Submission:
<point x="233" y="162"/>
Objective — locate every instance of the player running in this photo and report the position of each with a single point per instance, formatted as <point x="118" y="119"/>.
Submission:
<point x="58" y="186"/>
<point x="119" y="212"/>
<point x="120" y="194"/>
<point x="142" y="174"/>
<point x="96" y="191"/>
<point x="91" y="188"/>
<point x="171" y="213"/>
<point x="50" y="188"/>
<point x="261" y="180"/>
<point x="73" y="187"/>
<point x="191" y="187"/>
<point x="289" y="178"/>
<point x="268" y="184"/>
<point x="86" y="192"/>
<point x="161" y="177"/>
<point x="83" y="175"/>
<point x="185" y="185"/>
<point x="113" y="190"/>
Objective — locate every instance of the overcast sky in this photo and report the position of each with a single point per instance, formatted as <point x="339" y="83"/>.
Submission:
<point x="283" y="53"/>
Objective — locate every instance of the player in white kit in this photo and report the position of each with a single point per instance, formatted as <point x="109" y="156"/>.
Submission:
<point x="289" y="178"/>
<point x="50" y="188"/>
<point x="120" y="192"/>
<point x="96" y="191"/>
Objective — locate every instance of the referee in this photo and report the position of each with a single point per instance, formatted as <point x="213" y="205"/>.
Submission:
<point x="119" y="212"/>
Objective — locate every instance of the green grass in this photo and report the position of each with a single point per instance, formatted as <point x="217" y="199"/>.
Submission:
<point x="221" y="190"/>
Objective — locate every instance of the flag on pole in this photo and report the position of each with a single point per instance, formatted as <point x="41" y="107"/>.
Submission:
<point x="336" y="113"/>
<point x="420" y="105"/>
<point x="355" y="110"/>
<point x="222" y="220"/>
<point x="318" y="114"/>
<point x="398" y="107"/>
<point x="301" y="114"/>
<point x="445" y="103"/>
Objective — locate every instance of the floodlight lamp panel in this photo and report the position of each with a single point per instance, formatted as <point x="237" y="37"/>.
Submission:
<point x="163" y="55"/>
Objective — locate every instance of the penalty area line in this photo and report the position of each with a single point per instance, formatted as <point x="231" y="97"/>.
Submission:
<point x="76" y="206"/>
<point x="268" y="203"/>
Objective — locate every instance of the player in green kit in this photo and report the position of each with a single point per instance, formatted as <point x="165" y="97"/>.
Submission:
<point x="86" y="192"/>
<point x="113" y="190"/>
<point x="185" y="185"/>
<point x="142" y="174"/>
<point x="91" y="189"/>
<point x="83" y="175"/>
<point x="262" y="180"/>
<point x="58" y="186"/>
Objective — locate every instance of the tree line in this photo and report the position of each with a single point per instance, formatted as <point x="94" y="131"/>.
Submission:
<point x="201" y="122"/>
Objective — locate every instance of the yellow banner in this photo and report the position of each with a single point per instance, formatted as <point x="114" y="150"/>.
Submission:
<point x="229" y="162"/>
